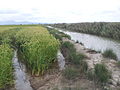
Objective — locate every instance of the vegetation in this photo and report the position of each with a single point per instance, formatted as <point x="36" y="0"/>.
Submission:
<point x="6" y="75"/>
<point x="106" y="29"/>
<point x="70" y="73"/>
<point x="77" y="60"/>
<point x="73" y="57"/>
<point x="110" y="54"/>
<point x="118" y="64"/>
<point x="102" y="73"/>
<point x="57" y="34"/>
<point x="38" y="48"/>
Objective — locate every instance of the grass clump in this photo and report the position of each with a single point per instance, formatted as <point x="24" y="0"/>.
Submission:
<point x="74" y="58"/>
<point x="118" y="63"/>
<point x="110" y="54"/>
<point x="69" y="46"/>
<point x="6" y="75"/>
<point x="102" y="73"/>
<point x="57" y="34"/>
<point x="70" y="73"/>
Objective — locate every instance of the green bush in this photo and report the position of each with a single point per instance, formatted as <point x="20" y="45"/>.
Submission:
<point x="90" y="74"/>
<point x="69" y="46"/>
<point x="118" y="63"/>
<point x="110" y="54"/>
<point x="70" y="73"/>
<point x="57" y="34"/>
<point x="83" y="66"/>
<point x="102" y="73"/>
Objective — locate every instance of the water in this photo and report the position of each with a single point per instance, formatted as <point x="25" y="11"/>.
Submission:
<point x="61" y="60"/>
<point x="21" y="79"/>
<point x="95" y="42"/>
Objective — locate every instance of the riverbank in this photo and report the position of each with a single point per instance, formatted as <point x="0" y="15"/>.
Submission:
<point x="104" y="29"/>
<point x="97" y="58"/>
<point x="54" y="79"/>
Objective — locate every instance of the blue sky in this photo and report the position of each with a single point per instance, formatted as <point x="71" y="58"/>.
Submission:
<point x="59" y="11"/>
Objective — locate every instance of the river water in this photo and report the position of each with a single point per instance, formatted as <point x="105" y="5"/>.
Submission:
<point x="95" y="42"/>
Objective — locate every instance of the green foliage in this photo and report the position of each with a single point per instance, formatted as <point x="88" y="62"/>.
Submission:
<point x="107" y="29"/>
<point x="6" y="75"/>
<point x="38" y="48"/>
<point x="102" y="73"/>
<point x="118" y="63"/>
<point x="57" y="34"/>
<point x="110" y="54"/>
<point x="69" y="46"/>
<point x="74" y="58"/>
<point x="90" y="74"/>
<point x="70" y="73"/>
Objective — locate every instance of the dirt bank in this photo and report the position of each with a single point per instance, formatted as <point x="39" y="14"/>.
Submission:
<point x="53" y="79"/>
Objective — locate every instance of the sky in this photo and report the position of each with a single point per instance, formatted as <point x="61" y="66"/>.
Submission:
<point x="59" y="11"/>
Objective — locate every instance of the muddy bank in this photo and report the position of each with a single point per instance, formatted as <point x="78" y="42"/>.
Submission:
<point x="53" y="78"/>
<point x="97" y="58"/>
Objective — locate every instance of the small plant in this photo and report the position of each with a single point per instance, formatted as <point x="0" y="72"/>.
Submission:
<point x="83" y="66"/>
<point x="102" y="73"/>
<point x="90" y="74"/>
<point x="70" y="73"/>
<point x="118" y="63"/>
<point x="69" y="46"/>
<point x="76" y="58"/>
<point x="110" y="54"/>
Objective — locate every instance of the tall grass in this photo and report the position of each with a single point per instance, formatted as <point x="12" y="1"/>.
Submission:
<point x="38" y="47"/>
<point x="109" y="54"/>
<point x="106" y="29"/>
<point x="70" y="73"/>
<point x="57" y="34"/>
<point x="102" y="73"/>
<point x="74" y="58"/>
<point x="6" y="75"/>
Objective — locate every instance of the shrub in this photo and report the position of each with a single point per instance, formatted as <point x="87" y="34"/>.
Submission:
<point x="102" y="73"/>
<point x="118" y="63"/>
<point x="69" y="46"/>
<point x="57" y="34"/>
<point x="70" y="73"/>
<point x="83" y="66"/>
<point x="90" y="74"/>
<point x="110" y="54"/>
<point x="76" y="58"/>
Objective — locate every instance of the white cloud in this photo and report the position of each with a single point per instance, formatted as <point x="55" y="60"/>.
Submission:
<point x="52" y="11"/>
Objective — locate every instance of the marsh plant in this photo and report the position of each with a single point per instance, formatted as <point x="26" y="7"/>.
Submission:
<point x="109" y="54"/>
<point x="70" y="73"/>
<point x="102" y="73"/>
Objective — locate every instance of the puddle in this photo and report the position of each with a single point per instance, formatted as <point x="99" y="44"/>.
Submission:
<point x="61" y="60"/>
<point x="21" y="78"/>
